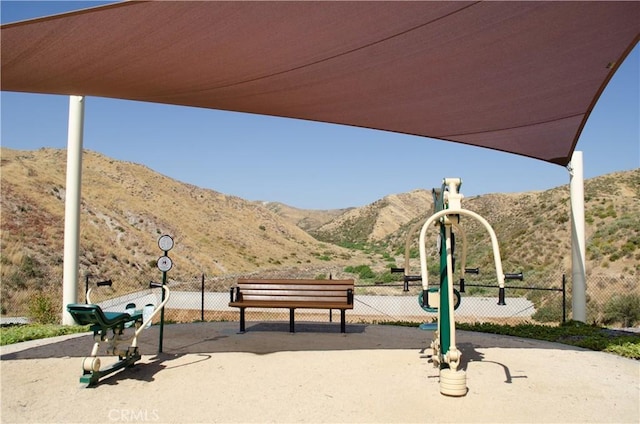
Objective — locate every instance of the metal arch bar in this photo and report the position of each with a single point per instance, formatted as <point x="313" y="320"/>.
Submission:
<point x="146" y="322"/>
<point x="442" y="213"/>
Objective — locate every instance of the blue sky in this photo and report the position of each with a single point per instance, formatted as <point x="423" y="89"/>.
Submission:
<point x="305" y="164"/>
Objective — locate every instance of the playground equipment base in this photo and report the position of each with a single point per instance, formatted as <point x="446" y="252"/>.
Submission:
<point x="108" y="328"/>
<point x="453" y="383"/>
<point x="92" y="372"/>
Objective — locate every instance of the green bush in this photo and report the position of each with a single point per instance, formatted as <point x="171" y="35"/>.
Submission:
<point x="42" y="309"/>
<point x="624" y="309"/>
<point x="550" y="312"/>
<point x="363" y="271"/>
<point x="30" y="268"/>
<point x="387" y="277"/>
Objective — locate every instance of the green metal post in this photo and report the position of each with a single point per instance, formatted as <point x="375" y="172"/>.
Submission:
<point x="443" y="309"/>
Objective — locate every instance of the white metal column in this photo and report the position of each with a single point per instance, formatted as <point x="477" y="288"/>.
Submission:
<point x="72" y="206"/>
<point x="578" y="267"/>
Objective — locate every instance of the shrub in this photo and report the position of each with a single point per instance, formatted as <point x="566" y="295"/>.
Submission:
<point x="30" y="268"/>
<point x="386" y="277"/>
<point x="628" y="349"/>
<point x="363" y="271"/>
<point x="550" y="312"/>
<point x="42" y="309"/>
<point x="623" y="309"/>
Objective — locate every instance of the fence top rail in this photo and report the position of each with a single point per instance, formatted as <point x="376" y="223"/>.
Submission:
<point x="290" y="281"/>
<point x="514" y="287"/>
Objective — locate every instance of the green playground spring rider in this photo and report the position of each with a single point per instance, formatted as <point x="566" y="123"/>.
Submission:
<point x="112" y="328"/>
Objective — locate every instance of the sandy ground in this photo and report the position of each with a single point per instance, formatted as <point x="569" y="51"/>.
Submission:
<point x="209" y="373"/>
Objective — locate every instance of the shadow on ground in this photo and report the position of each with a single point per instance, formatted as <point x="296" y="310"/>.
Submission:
<point x="270" y="337"/>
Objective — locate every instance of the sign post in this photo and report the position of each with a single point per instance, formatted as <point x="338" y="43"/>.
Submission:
<point x="165" y="243"/>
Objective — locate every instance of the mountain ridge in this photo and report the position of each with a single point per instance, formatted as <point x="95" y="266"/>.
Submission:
<point x="125" y="207"/>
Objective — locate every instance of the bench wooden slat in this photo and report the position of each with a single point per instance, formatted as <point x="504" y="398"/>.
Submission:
<point x="293" y="292"/>
<point x="289" y="305"/>
<point x="294" y="281"/>
<point x="299" y="299"/>
<point x="315" y="287"/>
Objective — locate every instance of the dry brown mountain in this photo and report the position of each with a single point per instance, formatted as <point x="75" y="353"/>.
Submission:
<point x="307" y="219"/>
<point x="378" y="220"/>
<point x="533" y="228"/>
<point x="126" y="207"/>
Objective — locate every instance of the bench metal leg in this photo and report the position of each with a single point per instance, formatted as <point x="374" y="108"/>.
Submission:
<point x="343" y="327"/>
<point x="242" y="320"/>
<point x="291" y="320"/>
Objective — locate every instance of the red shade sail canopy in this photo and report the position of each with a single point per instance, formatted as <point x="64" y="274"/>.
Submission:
<point x="521" y="77"/>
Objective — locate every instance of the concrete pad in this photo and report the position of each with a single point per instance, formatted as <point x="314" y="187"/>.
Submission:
<point x="210" y="373"/>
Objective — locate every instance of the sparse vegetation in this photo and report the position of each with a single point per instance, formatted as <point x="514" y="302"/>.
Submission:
<point x="124" y="211"/>
<point x="549" y="312"/>
<point x="364" y="272"/>
<point x="21" y="333"/>
<point x="217" y="234"/>
<point x="572" y="333"/>
<point x="623" y="309"/>
<point x="42" y="309"/>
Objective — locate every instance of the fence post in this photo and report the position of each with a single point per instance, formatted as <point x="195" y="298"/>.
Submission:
<point x="578" y="267"/>
<point x="202" y="299"/>
<point x="564" y="298"/>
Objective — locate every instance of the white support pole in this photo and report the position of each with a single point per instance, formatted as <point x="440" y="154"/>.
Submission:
<point x="578" y="267"/>
<point x="72" y="206"/>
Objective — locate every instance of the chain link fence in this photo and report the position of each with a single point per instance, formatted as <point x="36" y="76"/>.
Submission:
<point x="611" y="300"/>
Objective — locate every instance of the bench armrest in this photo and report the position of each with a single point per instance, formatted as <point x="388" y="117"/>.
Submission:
<point x="238" y="296"/>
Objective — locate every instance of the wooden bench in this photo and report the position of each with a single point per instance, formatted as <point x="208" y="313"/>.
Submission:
<point x="292" y="294"/>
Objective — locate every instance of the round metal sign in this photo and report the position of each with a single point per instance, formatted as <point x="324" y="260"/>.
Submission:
<point x="165" y="243"/>
<point x="164" y="263"/>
